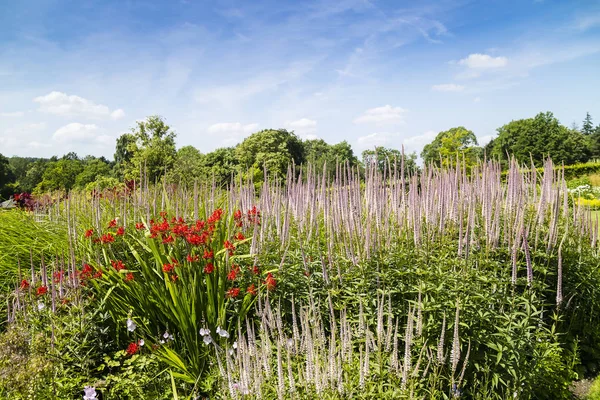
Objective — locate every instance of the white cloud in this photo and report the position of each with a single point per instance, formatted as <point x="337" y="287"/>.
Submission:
<point x="106" y="140"/>
<point x="381" y="115"/>
<point x="416" y="143"/>
<point x="447" y="87"/>
<point x="304" y="127"/>
<point x="15" y="114"/>
<point x="38" y="145"/>
<point x="375" y="139"/>
<point x="483" y="140"/>
<point x="62" y="104"/>
<point x="75" y="132"/>
<point x="483" y="61"/>
<point x="117" y="114"/>
<point x="232" y="132"/>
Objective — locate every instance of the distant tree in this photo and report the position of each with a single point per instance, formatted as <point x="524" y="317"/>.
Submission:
<point x="319" y="153"/>
<point x="538" y="138"/>
<point x="587" y="127"/>
<point x="187" y="167"/>
<point x="220" y="165"/>
<point x="34" y="175"/>
<point x="92" y="170"/>
<point x="60" y="174"/>
<point x="448" y="146"/>
<point x="7" y="178"/>
<point x="389" y="159"/>
<point x="153" y="149"/>
<point x="271" y="149"/>
<point x="123" y="154"/>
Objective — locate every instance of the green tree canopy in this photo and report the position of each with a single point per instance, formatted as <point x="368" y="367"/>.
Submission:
<point x="319" y="153"/>
<point x="220" y="164"/>
<point x="60" y="174"/>
<point x="93" y="169"/>
<point x="152" y="149"/>
<point x="390" y="159"/>
<point x="538" y="138"/>
<point x="271" y="149"/>
<point x="6" y="178"/>
<point x="449" y="145"/>
<point x="188" y="166"/>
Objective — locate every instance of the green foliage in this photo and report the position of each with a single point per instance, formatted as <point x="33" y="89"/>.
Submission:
<point x="6" y="178"/>
<point x="388" y="160"/>
<point x="452" y="145"/>
<point x="188" y="167"/>
<point x="61" y="174"/>
<point x="93" y="170"/>
<point x="220" y="165"/>
<point x="319" y="154"/>
<point x="537" y="139"/>
<point x="149" y="148"/>
<point x="272" y="149"/>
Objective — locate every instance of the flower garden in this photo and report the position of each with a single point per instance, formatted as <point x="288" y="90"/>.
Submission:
<point x="444" y="284"/>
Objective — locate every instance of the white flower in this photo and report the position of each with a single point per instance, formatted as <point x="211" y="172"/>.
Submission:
<point x="166" y="335"/>
<point x="235" y="345"/>
<point x="141" y="342"/>
<point x="41" y="306"/>
<point x="171" y="337"/>
<point x="207" y="339"/>
<point x="230" y="351"/>
<point x="204" y="331"/>
<point x="222" y="332"/>
<point x="90" y="393"/>
<point x="131" y="325"/>
<point x="162" y="341"/>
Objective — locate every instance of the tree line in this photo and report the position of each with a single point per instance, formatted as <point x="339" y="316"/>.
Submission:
<point x="150" y="150"/>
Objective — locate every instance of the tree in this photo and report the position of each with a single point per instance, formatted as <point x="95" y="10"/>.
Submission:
<point x="220" y="165"/>
<point x="123" y="154"/>
<point x="60" y="174"/>
<point x="271" y="149"/>
<point x="538" y="138"/>
<point x="7" y="178"/>
<point x="187" y="167"/>
<point x="319" y="153"/>
<point x="93" y="169"/>
<point x="391" y="159"/>
<point x="153" y="149"/>
<point x="588" y="126"/>
<point x="448" y="146"/>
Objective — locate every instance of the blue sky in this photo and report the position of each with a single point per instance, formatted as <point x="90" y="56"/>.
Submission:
<point x="75" y="74"/>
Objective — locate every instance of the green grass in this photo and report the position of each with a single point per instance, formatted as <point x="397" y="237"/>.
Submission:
<point x="594" y="393"/>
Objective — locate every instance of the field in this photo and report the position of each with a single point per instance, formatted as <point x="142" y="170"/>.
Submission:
<point x="371" y="284"/>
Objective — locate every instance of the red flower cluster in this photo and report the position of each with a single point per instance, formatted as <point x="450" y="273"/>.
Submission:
<point x="129" y="277"/>
<point x="24" y="284"/>
<point x="255" y="270"/>
<point x="86" y="272"/>
<point x="229" y="246"/>
<point x="42" y="290"/>
<point x="118" y="265"/>
<point x="239" y="236"/>
<point x="208" y="254"/>
<point x="233" y="293"/>
<point x="140" y="225"/>
<point x="120" y="231"/>
<point x="107" y="238"/>
<point x="252" y="290"/>
<point x="133" y="348"/>
<point x="89" y="233"/>
<point x="112" y="224"/>
<point x="168" y="268"/>
<point x="209" y="268"/>
<point x="233" y="273"/>
<point x="58" y="276"/>
<point x="192" y="258"/>
<point x="270" y="282"/>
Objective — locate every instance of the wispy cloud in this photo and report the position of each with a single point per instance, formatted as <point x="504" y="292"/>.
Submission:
<point x="448" y="87"/>
<point x="15" y="114"/>
<point x="382" y="115"/>
<point x="483" y="61"/>
<point x="62" y="104"/>
<point x="75" y="132"/>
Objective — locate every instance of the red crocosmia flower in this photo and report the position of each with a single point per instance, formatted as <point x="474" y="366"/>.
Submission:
<point x="209" y="268"/>
<point x="194" y="239"/>
<point x="120" y="231"/>
<point x="252" y="290"/>
<point x="174" y="277"/>
<point x="118" y="265"/>
<point x="129" y="277"/>
<point x="208" y="254"/>
<point x="132" y="348"/>
<point x="89" y="233"/>
<point x="163" y="214"/>
<point x="112" y="224"/>
<point x="215" y="217"/>
<point x="168" y="268"/>
<point x="168" y="239"/>
<point x="86" y="272"/>
<point x="58" y="276"/>
<point x="42" y="290"/>
<point x="255" y="270"/>
<point x="98" y="274"/>
<point x="192" y="258"/>
<point x="153" y="235"/>
<point x="140" y="225"/>
<point x="107" y="238"/>
<point x="237" y="215"/>
<point x="239" y="236"/>
<point x="24" y="284"/>
<point x="229" y="246"/>
<point x="233" y="273"/>
<point x="233" y="293"/>
<point x="270" y="282"/>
